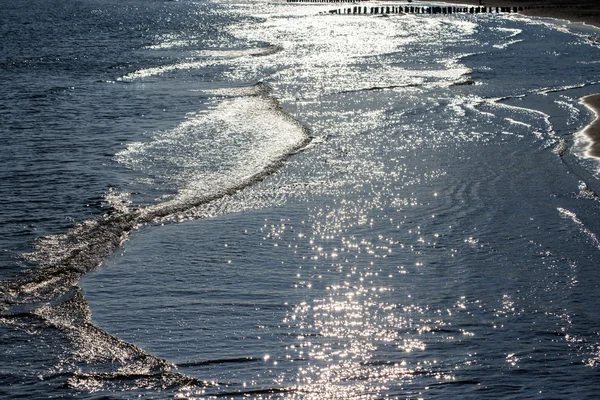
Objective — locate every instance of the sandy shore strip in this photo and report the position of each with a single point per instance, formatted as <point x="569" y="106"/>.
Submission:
<point x="587" y="11"/>
<point x="592" y="131"/>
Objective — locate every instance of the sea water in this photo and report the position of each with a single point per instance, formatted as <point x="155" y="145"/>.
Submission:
<point x="251" y="199"/>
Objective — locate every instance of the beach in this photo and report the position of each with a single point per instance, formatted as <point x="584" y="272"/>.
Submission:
<point x="593" y="130"/>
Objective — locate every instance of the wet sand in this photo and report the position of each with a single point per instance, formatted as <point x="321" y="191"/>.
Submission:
<point x="593" y="129"/>
<point x="587" y="11"/>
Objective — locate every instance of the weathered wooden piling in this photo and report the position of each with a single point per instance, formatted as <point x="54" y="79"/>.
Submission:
<point x="399" y="9"/>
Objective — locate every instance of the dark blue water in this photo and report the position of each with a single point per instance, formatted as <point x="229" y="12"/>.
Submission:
<point x="250" y="199"/>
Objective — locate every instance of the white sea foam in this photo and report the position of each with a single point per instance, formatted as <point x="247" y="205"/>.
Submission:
<point x="220" y="149"/>
<point x="568" y="105"/>
<point x="573" y="217"/>
<point x="505" y="45"/>
<point x="559" y="88"/>
<point x="168" y="45"/>
<point x="515" y="122"/>
<point x="512" y="32"/>
<point x="149" y="72"/>
<point x="168" y="41"/>
<point x="236" y="53"/>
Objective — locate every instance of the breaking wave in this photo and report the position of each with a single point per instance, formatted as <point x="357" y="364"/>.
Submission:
<point x="49" y="293"/>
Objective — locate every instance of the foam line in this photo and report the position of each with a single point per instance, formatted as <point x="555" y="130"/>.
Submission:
<point x="49" y="293"/>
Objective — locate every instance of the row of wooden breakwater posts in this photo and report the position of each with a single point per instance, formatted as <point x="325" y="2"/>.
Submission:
<point x="411" y="9"/>
<point x="423" y="10"/>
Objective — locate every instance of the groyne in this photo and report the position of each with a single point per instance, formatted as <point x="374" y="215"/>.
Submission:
<point x="410" y="9"/>
<point x="399" y="9"/>
<point x="404" y="9"/>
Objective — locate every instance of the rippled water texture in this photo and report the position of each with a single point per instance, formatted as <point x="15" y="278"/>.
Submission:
<point x="262" y="200"/>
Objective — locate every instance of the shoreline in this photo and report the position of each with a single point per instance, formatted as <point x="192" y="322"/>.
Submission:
<point x="592" y="131"/>
<point x="584" y="11"/>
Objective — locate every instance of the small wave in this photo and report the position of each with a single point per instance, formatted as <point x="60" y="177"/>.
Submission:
<point x="511" y="31"/>
<point x="243" y="91"/>
<point x="573" y="217"/>
<point x="560" y="89"/>
<point x="378" y="88"/>
<point x="119" y="201"/>
<point x="256" y="392"/>
<point x="217" y="57"/>
<point x="96" y="360"/>
<point x="464" y="82"/>
<point x="465" y="79"/>
<point x="585" y="192"/>
<point x="154" y="71"/>
<point x="92" y="382"/>
<point x="241" y="140"/>
<point x="457" y="382"/>
<point x="168" y="45"/>
<point x="504" y="98"/>
<point x="499" y="102"/>
<point x="253" y="52"/>
<point x="168" y="41"/>
<point x="218" y="362"/>
<point x="515" y="122"/>
<point x="62" y="259"/>
<point x="416" y="78"/>
<point x="507" y="44"/>
<point x="569" y="107"/>
<point x="50" y="294"/>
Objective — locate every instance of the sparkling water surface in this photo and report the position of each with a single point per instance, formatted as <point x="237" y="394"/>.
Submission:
<point x="253" y="199"/>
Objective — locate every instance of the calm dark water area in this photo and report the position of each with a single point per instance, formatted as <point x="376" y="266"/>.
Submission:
<point x="251" y="199"/>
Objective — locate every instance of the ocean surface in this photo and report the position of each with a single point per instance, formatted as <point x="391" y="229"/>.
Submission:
<point x="256" y="199"/>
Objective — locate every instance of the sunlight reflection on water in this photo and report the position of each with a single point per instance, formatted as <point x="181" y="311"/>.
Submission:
<point x="409" y="257"/>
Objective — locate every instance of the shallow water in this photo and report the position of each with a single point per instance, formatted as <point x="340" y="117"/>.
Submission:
<point x="280" y="204"/>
